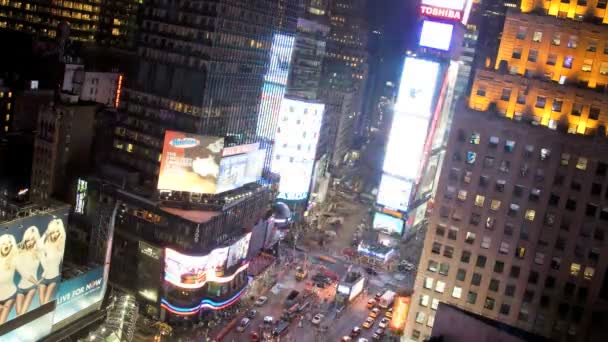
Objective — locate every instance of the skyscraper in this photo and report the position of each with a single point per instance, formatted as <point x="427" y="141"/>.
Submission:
<point x="517" y="229"/>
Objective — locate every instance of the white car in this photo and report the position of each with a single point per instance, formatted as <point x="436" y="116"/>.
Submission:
<point x="383" y="322"/>
<point x="243" y="324"/>
<point x="317" y="319"/>
<point x="261" y="301"/>
<point x="363" y="339"/>
<point x="268" y="319"/>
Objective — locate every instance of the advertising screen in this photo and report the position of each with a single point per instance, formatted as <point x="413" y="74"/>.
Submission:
<point x="31" y="256"/>
<point x="193" y="272"/>
<point x="238" y="170"/>
<point x="436" y="35"/>
<point x="406" y="145"/>
<point x="270" y="105"/>
<point x="417" y="87"/>
<point x="238" y="251"/>
<point x="394" y="192"/>
<point x="280" y="58"/>
<point x="295" y="147"/>
<point x="190" y="163"/>
<point x="388" y="224"/>
<point x="77" y="294"/>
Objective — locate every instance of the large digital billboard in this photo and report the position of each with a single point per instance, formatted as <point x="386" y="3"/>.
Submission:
<point x="388" y="224"/>
<point x="238" y="170"/>
<point x="447" y="9"/>
<point x="31" y="256"/>
<point x="275" y="80"/>
<point x="193" y="272"/>
<point x="436" y="35"/>
<point x="406" y="145"/>
<point x="190" y="162"/>
<point x="451" y="4"/>
<point x="394" y="192"/>
<point x="296" y="146"/>
<point x="417" y="87"/>
<point x="78" y="294"/>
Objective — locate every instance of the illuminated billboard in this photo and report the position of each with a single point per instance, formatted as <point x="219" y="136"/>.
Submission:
<point x="296" y="146"/>
<point x="78" y="294"/>
<point x="238" y="170"/>
<point x="442" y="13"/>
<point x="394" y="192"/>
<point x="275" y="80"/>
<point x="436" y="35"/>
<point x="190" y="162"/>
<point x="406" y="146"/>
<point x="193" y="272"/>
<point x="401" y="308"/>
<point x="280" y="58"/>
<point x="388" y="224"/>
<point x="451" y="4"/>
<point x="417" y="87"/>
<point x="31" y="256"/>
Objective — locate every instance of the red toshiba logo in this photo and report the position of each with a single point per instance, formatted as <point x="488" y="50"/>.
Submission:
<point x="440" y="12"/>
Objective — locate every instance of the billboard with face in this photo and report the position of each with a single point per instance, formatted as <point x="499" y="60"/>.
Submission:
<point x="190" y="163"/>
<point x="31" y="255"/>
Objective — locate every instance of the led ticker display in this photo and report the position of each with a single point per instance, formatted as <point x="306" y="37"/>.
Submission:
<point x="280" y="58"/>
<point x="190" y="162"/>
<point x="436" y="35"/>
<point x="401" y="308"/>
<point x="193" y="272"/>
<point x="388" y="224"/>
<point x="295" y="147"/>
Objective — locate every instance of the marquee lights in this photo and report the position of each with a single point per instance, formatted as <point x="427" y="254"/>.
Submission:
<point x="211" y="278"/>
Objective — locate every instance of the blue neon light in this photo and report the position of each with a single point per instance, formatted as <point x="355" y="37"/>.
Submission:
<point x="207" y="302"/>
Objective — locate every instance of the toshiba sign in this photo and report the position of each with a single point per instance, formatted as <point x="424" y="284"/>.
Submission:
<point x="437" y="12"/>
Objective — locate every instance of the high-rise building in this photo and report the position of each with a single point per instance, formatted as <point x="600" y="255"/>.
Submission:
<point x="108" y="22"/>
<point x="516" y="232"/>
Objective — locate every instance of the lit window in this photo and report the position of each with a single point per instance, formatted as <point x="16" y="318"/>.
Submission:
<point x="589" y="272"/>
<point x="462" y="195"/>
<point x="581" y="164"/>
<point x="475" y="137"/>
<point x="430" y="321"/>
<point x="575" y="269"/>
<point x="587" y="65"/>
<point x="424" y="300"/>
<point x="457" y="292"/>
<point x="6" y="128"/>
<point x="565" y="159"/>
<point x="129" y="148"/>
<point x="537" y="37"/>
<point x="434" y="303"/>
<point x="471" y="157"/>
<point x="495" y="205"/>
<point x="470" y="238"/>
<point x="486" y="241"/>
<point x="479" y="200"/>
<point x="428" y="283"/>
<point x="604" y="68"/>
<point x="520" y="252"/>
<point x="440" y="286"/>
<point x="557" y="104"/>
<point x="539" y="258"/>
<point x="420" y="317"/>
<point x="8" y="117"/>
<point x="544" y="153"/>
<point x="494" y="141"/>
<point x="10" y="94"/>
<point x="568" y="60"/>
<point x="557" y="39"/>
<point x="504" y="248"/>
<point x="573" y="42"/>
<point x="530" y="213"/>
<point x="509" y="146"/>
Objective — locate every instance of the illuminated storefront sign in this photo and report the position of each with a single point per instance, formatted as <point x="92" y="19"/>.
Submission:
<point x="296" y="146"/>
<point x="81" y="196"/>
<point x="444" y="13"/>
<point x="118" y="92"/>
<point x="77" y="294"/>
<point x="401" y="308"/>
<point x="193" y="272"/>
<point x="436" y="35"/>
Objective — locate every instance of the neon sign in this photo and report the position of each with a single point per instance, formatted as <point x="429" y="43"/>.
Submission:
<point x="437" y="12"/>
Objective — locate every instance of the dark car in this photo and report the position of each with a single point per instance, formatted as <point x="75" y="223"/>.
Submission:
<point x="371" y="271"/>
<point x="251" y="313"/>
<point x="355" y="332"/>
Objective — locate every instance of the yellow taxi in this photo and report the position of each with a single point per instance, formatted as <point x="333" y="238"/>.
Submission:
<point x="374" y="313"/>
<point x="389" y="313"/>
<point x="369" y="322"/>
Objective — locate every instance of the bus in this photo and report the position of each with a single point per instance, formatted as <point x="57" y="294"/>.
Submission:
<point x="386" y="299"/>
